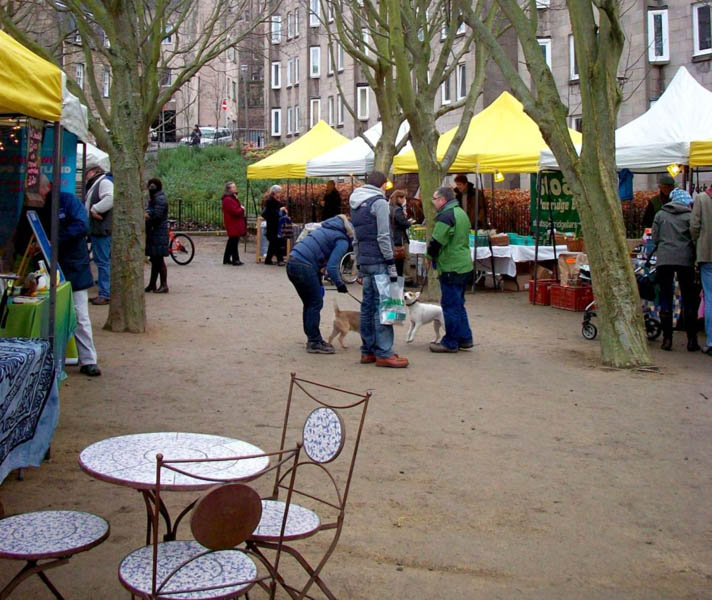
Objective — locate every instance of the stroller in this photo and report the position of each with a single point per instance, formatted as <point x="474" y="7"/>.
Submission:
<point x="645" y="276"/>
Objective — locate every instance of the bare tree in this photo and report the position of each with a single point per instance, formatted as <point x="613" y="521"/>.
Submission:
<point x="137" y="40"/>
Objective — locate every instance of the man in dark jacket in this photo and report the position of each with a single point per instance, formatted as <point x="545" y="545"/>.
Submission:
<point x="271" y="216"/>
<point x="666" y="184"/>
<point x="323" y="247"/>
<point x="331" y="203"/>
<point x="467" y="196"/>
<point x="73" y="257"/>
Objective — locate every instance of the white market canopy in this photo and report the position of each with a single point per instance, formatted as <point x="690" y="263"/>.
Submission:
<point x="74" y="114"/>
<point x="99" y="156"/>
<point x="662" y="135"/>
<point x="353" y="158"/>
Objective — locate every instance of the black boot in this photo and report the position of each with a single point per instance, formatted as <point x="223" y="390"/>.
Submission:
<point x="692" y="345"/>
<point x="666" y="324"/>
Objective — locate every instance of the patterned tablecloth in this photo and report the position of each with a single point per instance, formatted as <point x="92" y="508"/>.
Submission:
<point x="29" y="403"/>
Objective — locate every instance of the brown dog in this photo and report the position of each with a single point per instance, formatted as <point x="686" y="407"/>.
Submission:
<point x="344" y="321"/>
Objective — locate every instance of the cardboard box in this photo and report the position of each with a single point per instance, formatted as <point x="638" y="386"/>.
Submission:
<point x="522" y="281"/>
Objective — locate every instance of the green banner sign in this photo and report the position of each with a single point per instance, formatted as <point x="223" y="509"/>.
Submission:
<point x="557" y="197"/>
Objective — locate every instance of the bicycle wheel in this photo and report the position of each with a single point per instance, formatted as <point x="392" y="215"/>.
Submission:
<point x="347" y="268"/>
<point x="653" y="328"/>
<point x="182" y="248"/>
<point x="589" y="330"/>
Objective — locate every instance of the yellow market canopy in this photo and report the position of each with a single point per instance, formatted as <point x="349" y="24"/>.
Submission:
<point x="291" y="162"/>
<point x="500" y="138"/>
<point x="701" y="154"/>
<point x="29" y="85"/>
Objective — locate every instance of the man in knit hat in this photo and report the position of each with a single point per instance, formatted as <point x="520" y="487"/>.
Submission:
<point x="99" y="202"/>
<point x="666" y="184"/>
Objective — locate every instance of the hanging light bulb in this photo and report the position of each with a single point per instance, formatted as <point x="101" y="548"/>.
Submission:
<point x="389" y="184"/>
<point x="673" y="169"/>
<point x="498" y="176"/>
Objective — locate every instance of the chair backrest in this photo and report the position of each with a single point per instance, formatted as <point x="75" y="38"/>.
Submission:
<point x="323" y="413"/>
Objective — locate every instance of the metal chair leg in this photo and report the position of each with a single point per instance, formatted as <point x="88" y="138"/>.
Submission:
<point x="32" y="568"/>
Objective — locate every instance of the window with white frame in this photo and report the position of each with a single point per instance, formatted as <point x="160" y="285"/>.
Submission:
<point x="290" y="25"/>
<point x="315" y="111"/>
<point x="297" y="19"/>
<point x="77" y="37"/>
<point x="461" y="81"/>
<point x="289" y="73"/>
<point x="106" y="83"/>
<point x="445" y="92"/>
<point x="461" y="27"/>
<point x="330" y="107"/>
<point x="289" y="120"/>
<point x="276" y="75"/>
<point x="362" y="103"/>
<point x="276" y="122"/>
<point x="576" y="122"/>
<point x="702" y="28"/>
<point x="296" y="70"/>
<point x="276" y="36"/>
<point x="234" y="90"/>
<point x="573" y="63"/>
<point x="443" y="31"/>
<point x="168" y="37"/>
<point x="339" y="109"/>
<point x="331" y="11"/>
<point x="545" y="45"/>
<point x="658" y="39"/>
<point x="366" y="39"/>
<point x="329" y="61"/>
<point x="314" y="62"/>
<point x="314" y="13"/>
<point x="339" y="57"/>
<point x="543" y="3"/>
<point x="79" y="75"/>
<point x="296" y="119"/>
<point x="105" y="38"/>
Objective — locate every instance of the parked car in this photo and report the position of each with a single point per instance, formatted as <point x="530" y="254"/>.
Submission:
<point x="211" y="135"/>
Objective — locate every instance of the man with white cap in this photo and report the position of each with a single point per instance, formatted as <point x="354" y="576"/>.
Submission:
<point x="99" y="203"/>
<point x="271" y="216"/>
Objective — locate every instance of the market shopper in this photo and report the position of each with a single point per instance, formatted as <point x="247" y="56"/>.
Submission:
<point x="286" y="229"/>
<point x="235" y="225"/>
<point x="73" y="258"/>
<point x="449" y="251"/>
<point x="270" y="214"/>
<point x="399" y="228"/>
<point x="99" y="202"/>
<point x="331" y="203"/>
<point x="675" y="253"/>
<point x="374" y="257"/>
<point x="157" y="236"/>
<point x="195" y="137"/>
<point x="666" y="184"/>
<point x="701" y="231"/>
<point x="322" y="248"/>
<point x="468" y="196"/>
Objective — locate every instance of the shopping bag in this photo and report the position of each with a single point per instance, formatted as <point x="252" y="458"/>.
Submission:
<point x="391" y="305"/>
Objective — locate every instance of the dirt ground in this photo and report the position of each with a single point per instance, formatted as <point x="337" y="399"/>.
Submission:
<point x="522" y="469"/>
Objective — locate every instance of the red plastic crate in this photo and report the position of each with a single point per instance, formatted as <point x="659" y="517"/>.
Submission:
<point x="571" y="297"/>
<point x="542" y="290"/>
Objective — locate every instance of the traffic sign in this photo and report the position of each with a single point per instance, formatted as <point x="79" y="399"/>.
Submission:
<point x="224" y="104"/>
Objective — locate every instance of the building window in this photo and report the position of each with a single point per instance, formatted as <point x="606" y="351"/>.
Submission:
<point x="234" y="90"/>
<point x="290" y="27"/>
<point x="297" y="19"/>
<point x="296" y="70"/>
<point x="702" y="28"/>
<point x="445" y="92"/>
<point x="276" y="29"/>
<point x="543" y="3"/>
<point x="313" y="13"/>
<point x="107" y="82"/>
<point x="658" y="40"/>
<point x="330" y="104"/>
<point x="289" y="120"/>
<point x="276" y="77"/>
<point x="296" y="119"/>
<point x="339" y="58"/>
<point x="362" y="103"/>
<point x="339" y="110"/>
<point x="165" y="77"/>
<point x="315" y="111"/>
<point x="329" y="61"/>
<point x="77" y="37"/>
<point x="443" y="31"/>
<point x="314" y="62"/>
<point x="365" y="38"/>
<point x="289" y="74"/>
<point x="461" y="81"/>
<point x="576" y="122"/>
<point x="276" y="122"/>
<point x="79" y="75"/>
<point x="105" y="38"/>
<point x="545" y="45"/>
<point x="331" y="12"/>
<point x="168" y="37"/>
<point x="573" y="63"/>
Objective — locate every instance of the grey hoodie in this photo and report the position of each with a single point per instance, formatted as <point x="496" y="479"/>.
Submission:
<point x="382" y="213"/>
<point x="672" y="237"/>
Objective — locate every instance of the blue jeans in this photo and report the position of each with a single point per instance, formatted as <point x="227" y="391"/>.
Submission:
<point x="377" y="339"/>
<point x="457" y="325"/>
<point x="101" y="249"/>
<point x="305" y="279"/>
<point x="706" y="276"/>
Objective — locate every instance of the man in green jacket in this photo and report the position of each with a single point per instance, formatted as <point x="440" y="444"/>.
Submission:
<point x="449" y="251"/>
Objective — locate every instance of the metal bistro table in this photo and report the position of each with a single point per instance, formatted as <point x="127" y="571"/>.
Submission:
<point x="130" y="460"/>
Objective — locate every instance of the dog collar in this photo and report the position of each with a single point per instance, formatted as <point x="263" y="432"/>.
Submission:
<point x="411" y="304"/>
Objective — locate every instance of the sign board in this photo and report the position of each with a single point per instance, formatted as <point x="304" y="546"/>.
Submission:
<point x="43" y="240"/>
<point x="32" y="163"/>
<point x="68" y="164"/>
<point x="557" y="197"/>
<point x="224" y="105"/>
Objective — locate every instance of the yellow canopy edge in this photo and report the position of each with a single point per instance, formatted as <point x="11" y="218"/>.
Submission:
<point x="29" y="85"/>
<point x="701" y="153"/>
<point x="502" y="137"/>
<point x="291" y="161"/>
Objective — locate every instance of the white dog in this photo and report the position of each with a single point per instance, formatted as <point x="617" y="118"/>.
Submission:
<point x="422" y="314"/>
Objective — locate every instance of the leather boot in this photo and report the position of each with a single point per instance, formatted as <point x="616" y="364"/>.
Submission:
<point x="666" y="324"/>
<point x="692" y="345"/>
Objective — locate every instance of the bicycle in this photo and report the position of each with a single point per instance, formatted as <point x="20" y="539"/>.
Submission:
<point x="180" y="245"/>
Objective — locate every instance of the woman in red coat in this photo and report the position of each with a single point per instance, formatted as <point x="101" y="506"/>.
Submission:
<point x="235" y="224"/>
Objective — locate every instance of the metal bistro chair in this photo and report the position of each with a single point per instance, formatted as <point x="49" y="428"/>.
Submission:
<point x="211" y="565"/>
<point x="324" y="438"/>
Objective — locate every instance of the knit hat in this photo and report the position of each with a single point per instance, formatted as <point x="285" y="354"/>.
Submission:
<point x="666" y="180"/>
<point x="681" y="197"/>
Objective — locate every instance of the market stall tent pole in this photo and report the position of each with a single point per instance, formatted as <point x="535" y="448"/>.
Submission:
<point x="54" y="234"/>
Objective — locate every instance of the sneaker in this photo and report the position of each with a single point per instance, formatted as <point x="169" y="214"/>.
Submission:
<point x="437" y="347"/>
<point x="466" y="345"/>
<point x="320" y="348"/>
<point x="367" y="359"/>
<point x="99" y="300"/>
<point x="90" y="370"/>
<point x="393" y="361"/>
